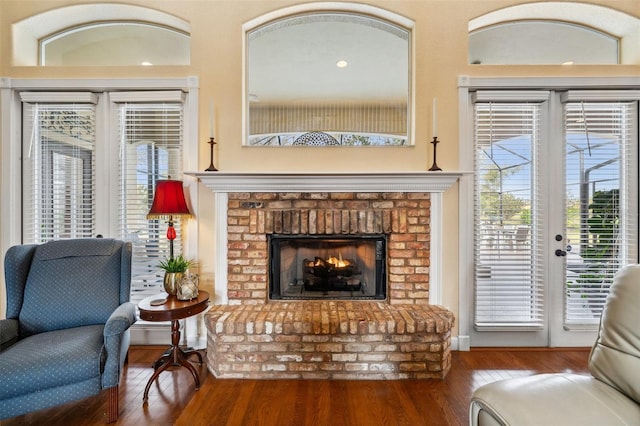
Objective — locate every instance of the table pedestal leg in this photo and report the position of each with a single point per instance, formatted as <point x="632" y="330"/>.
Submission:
<point x="174" y="356"/>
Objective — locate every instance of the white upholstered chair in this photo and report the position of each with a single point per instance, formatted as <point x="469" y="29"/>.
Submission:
<point x="609" y="396"/>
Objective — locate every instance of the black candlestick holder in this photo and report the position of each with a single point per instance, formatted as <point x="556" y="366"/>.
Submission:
<point x="434" y="167"/>
<point x="211" y="167"/>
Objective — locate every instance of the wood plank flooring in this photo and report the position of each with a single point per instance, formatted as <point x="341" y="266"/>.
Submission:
<point x="174" y="400"/>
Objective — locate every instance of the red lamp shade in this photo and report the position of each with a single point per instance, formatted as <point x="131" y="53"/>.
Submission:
<point x="168" y="200"/>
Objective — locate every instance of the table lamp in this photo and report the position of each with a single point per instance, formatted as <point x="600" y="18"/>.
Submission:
<point x="169" y="201"/>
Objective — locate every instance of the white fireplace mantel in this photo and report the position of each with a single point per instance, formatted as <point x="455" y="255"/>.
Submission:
<point x="328" y="181"/>
<point x="222" y="183"/>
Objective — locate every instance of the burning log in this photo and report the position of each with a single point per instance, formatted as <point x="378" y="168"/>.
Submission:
<point x="331" y="267"/>
<point x="331" y="274"/>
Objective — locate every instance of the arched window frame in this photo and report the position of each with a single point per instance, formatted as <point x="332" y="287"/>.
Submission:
<point x="618" y="24"/>
<point x="27" y="33"/>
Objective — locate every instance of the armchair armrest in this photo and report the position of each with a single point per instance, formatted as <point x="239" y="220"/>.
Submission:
<point x="8" y="332"/>
<point x="116" y="342"/>
<point x="120" y="320"/>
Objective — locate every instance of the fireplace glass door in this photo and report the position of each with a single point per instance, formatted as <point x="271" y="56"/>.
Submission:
<point x="327" y="267"/>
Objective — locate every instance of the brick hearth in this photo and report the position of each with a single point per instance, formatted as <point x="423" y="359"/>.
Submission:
<point x="329" y="340"/>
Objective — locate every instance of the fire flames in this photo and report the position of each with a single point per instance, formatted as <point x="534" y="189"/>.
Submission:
<point x="332" y="262"/>
<point x="333" y="273"/>
<point x="338" y="262"/>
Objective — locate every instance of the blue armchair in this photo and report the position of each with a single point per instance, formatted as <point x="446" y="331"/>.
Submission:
<point x="66" y="332"/>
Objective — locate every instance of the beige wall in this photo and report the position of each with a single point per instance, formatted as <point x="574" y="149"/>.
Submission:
<point x="440" y="42"/>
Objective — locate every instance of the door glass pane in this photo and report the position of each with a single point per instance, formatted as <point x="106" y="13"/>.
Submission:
<point x="151" y="142"/>
<point x="59" y="172"/>
<point x="508" y="288"/>
<point x="595" y="135"/>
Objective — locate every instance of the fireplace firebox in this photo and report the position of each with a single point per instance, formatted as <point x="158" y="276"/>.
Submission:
<point x="311" y="267"/>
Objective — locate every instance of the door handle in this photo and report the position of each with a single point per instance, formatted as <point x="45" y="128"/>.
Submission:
<point x="560" y="253"/>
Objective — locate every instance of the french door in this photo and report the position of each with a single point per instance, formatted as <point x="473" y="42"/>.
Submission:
<point x="555" y="212"/>
<point x="87" y="172"/>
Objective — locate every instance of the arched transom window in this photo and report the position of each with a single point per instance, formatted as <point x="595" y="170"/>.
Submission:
<point x="554" y="33"/>
<point x="124" y="35"/>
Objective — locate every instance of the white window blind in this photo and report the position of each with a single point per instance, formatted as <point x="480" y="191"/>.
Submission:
<point x="60" y="149"/>
<point x="600" y="150"/>
<point x="151" y="136"/>
<point x="58" y="166"/>
<point x="508" y="276"/>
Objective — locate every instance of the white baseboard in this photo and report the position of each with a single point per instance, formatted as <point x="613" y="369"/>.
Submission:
<point x="150" y="334"/>
<point x="460" y="343"/>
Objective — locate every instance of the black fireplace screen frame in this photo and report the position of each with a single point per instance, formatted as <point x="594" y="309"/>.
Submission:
<point x="275" y="282"/>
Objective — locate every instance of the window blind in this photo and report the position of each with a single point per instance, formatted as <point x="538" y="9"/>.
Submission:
<point x="64" y="155"/>
<point x="601" y="230"/>
<point x="151" y="135"/>
<point x="508" y="276"/>
<point x="59" y="167"/>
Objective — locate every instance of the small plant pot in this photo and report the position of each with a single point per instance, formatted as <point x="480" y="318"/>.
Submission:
<point x="172" y="282"/>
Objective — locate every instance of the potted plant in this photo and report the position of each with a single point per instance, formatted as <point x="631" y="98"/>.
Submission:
<point x="174" y="269"/>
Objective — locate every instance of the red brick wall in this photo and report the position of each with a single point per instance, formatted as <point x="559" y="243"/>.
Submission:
<point x="405" y="217"/>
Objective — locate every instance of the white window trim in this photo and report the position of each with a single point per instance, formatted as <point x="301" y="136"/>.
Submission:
<point x="465" y="147"/>
<point x="11" y="145"/>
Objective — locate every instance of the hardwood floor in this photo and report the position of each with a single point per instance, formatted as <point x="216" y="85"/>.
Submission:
<point x="174" y="401"/>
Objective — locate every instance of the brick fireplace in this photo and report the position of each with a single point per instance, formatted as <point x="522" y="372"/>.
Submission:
<point x="407" y="335"/>
<point x="403" y="216"/>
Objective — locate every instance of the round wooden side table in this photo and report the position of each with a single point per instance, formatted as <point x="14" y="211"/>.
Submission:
<point x="165" y="307"/>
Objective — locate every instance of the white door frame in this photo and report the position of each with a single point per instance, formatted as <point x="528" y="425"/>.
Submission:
<point x="466" y="162"/>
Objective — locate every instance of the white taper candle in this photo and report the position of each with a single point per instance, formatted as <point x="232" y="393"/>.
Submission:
<point x="435" y="117"/>
<point x="211" y="121"/>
